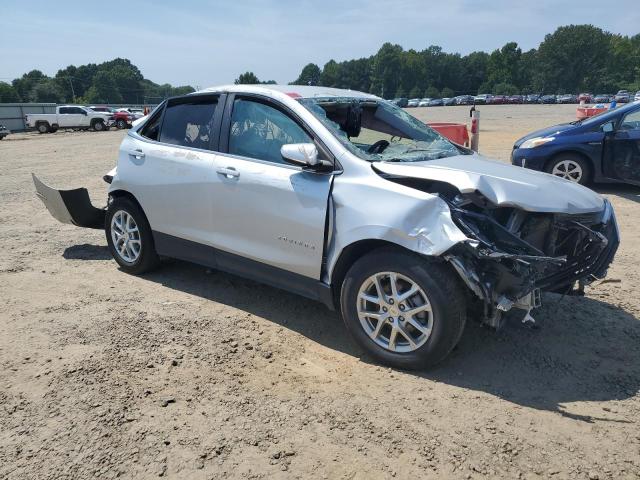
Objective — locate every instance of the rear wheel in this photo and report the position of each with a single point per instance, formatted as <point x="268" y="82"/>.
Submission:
<point x="404" y="311"/>
<point x="43" y="127"/>
<point x="121" y="124"/>
<point x="129" y="237"/>
<point x="570" y="166"/>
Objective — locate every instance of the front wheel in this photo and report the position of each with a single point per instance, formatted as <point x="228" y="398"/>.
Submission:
<point x="403" y="310"/>
<point x="129" y="237"/>
<point x="121" y="124"/>
<point x="99" y="126"/>
<point x="570" y="167"/>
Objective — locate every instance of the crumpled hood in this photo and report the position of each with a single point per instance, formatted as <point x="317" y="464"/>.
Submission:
<point x="503" y="184"/>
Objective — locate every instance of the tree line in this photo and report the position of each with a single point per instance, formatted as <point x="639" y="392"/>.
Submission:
<point x="115" y="81"/>
<point x="573" y="59"/>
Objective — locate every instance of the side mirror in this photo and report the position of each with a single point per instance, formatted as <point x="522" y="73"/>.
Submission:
<point x="607" y="127"/>
<point x="302" y="154"/>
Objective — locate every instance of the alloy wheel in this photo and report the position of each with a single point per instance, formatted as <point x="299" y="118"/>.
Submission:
<point x="395" y="312"/>
<point x="125" y="236"/>
<point x="568" y="169"/>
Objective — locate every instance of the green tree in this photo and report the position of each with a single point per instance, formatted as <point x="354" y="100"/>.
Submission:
<point x="573" y="58"/>
<point x="415" y="92"/>
<point x="104" y="89"/>
<point x="505" y="88"/>
<point x="504" y="65"/>
<point x="474" y="72"/>
<point x="310" y="75"/>
<point x="46" y="91"/>
<point x="400" y="93"/>
<point x="25" y="84"/>
<point x="247" y="78"/>
<point x="447" y="93"/>
<point x="386" y="65"/>
<point x="331" y="74"/>
<point x="8" y="94"/>
<point x="432" y="92"/>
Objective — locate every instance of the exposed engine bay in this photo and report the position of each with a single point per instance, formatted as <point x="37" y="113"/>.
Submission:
<point x="512" y="255"/>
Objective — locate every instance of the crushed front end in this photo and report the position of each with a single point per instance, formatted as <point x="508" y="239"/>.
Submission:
<point x="512" y="255"/>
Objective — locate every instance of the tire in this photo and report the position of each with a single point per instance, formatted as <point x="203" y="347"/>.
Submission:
<point x="140" y="254"/>
<point x="99" y="126"/>
<point x="121" y="124"/>
<point x="43" y="127"/>
<point x="570" y="166"/>
<point x="441" y="328"/>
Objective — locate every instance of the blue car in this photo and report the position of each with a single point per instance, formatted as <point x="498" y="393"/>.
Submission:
<point x="603" y="149"/>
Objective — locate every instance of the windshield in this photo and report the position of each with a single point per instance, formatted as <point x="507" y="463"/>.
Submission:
<point x="377" y="130"/>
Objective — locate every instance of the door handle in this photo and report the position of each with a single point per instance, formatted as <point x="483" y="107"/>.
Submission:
<point x="228" y="172"/>
<point x="137" y="154"/>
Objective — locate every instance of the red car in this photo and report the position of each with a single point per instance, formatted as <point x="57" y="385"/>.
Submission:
<point x="121" y="119"/>
<point x="498" y="100"/>
<point x="585" y="97"/>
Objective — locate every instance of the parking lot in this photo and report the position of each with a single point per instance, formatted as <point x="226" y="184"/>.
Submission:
<point x="192" y="373"/>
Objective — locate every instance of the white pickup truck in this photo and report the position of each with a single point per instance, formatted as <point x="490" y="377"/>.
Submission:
<point x="69" y="116"/>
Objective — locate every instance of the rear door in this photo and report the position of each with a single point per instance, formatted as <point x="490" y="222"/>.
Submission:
<point x="265" y="209"/>
<point x="170" y="167"/>
<point x="623" y="149"/>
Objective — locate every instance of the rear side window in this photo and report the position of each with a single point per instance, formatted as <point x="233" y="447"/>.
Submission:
<point x="64" y="110"/>
<point x="189" y="124"/>
<point x="152" y="127"/>
<point x="631" y="121"/>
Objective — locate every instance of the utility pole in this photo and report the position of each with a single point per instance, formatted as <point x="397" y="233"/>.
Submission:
<point x="73" y="93"/>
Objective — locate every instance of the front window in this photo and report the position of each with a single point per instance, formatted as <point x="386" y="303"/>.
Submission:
<point x="377" y="130"/>
<point x="259" y="131"/>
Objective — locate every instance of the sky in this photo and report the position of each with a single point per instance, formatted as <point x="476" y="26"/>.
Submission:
<point x="200" y="43"/>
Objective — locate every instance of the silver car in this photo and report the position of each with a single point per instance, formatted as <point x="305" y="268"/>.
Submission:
<point x="347" y="199"/>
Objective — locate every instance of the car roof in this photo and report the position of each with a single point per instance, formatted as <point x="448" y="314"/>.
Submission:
<point x="296" y="91"/>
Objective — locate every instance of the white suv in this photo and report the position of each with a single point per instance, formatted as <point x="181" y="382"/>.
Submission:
<point x="347" y="199"/>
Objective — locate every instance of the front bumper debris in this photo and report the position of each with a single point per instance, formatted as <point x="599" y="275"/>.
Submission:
<point x="505" y="271"/>
<point x="70" y="206"/>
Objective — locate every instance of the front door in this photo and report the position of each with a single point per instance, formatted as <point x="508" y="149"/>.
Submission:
<point x="70" y="117"/>
<point x="265" y="209"/>
<point x="623" y="149"/>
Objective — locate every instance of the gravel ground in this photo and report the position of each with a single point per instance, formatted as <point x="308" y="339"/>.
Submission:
<point x="190" y="373"/>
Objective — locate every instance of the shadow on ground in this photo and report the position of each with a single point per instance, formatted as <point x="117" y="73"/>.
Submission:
<point x="629" y="192"/>
<point x="87" y="251"/>
<point x="582" y="349"/>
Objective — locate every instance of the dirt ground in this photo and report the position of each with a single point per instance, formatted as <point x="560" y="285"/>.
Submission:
<point x="189" y="373"/>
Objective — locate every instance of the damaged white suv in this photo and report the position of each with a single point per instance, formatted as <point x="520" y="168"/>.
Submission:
<point x="342" y="197"/>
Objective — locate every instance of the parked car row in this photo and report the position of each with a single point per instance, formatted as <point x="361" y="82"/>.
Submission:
<point x="98" y="118"/>
<point x="623" y="96"/>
